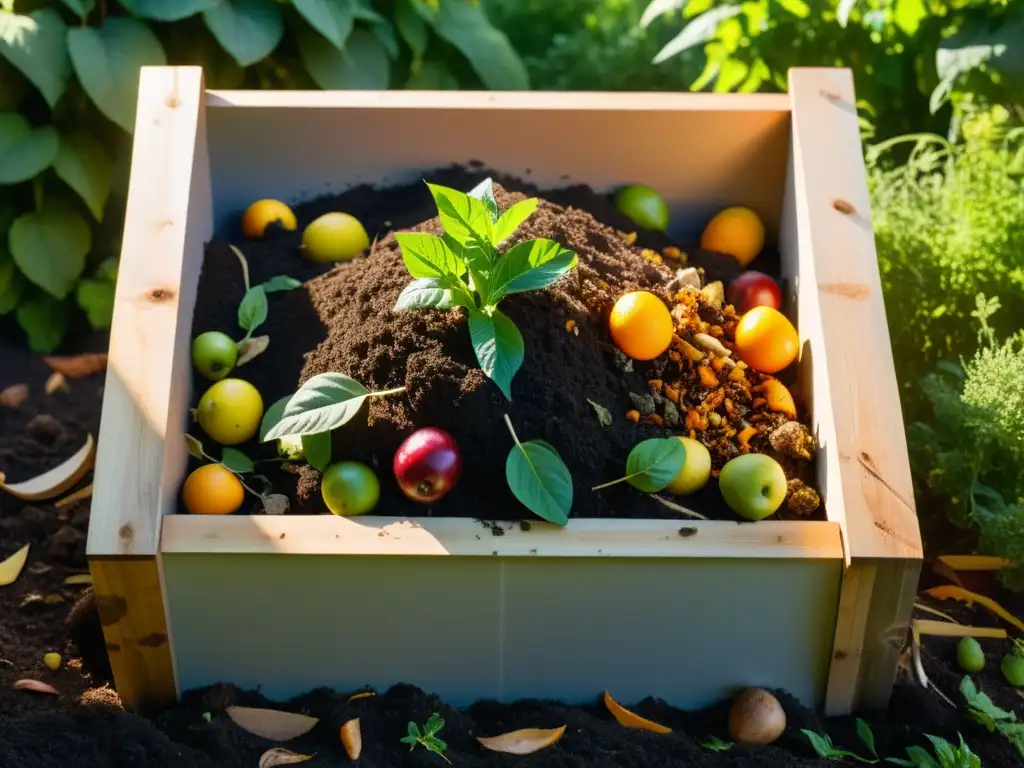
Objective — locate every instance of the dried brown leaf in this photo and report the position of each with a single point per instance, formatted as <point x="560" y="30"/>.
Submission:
<point x="14" y="395"/>
<point x="352" y="738"/>
<point x="523" y="742"/>
<point x="35" y="686"/>
<point x="54" y="382"/>
<point x="281" y="756"/>
<point x="57" y="480"/>
<point x="78" y="366"/>
<point x="271" y="723"/>
<point x="71" y="498"/>
<point x="251" y="348"/>
<point x="10" y="568"/>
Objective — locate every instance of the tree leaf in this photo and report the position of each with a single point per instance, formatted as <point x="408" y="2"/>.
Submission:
<point x="44" y="320"/>
<point x="272" y="416"/>
<point x="317" y="449"/>
<point x="522" y="742"/>
<point x="25" y="152"/>
<point x="281" y="756"/>
<point x="658" y="8"/>
<point x="509" y="221"/>
<point x="331" y="18"/>
<point x="107" y="62"/>
<point x="427" y="255"/>
<point x="324" y="402"/>
<point x="412" y="27"/>
<point x="167" y="10"/>
<point x="604" y="416"/>
<point x="236" y="461"/>
<point x="866" y="736"/>
<point x="247" y="29"/>
<point x="843" y="11"/>
<point x="35" y="44"/>
<point x="464" y="218"/>
<point x="281" y="283"/>
<point x="83" y="165"/>
<point x="251" y="348"/>
<point x="384" y="32"/>
<point x="541" y="482"/>
<point x="430" y="293"/>
<point x="81" y="7"/>
<point x="12" y="284"/>
<point x="252" y="310"/>
<point x="529" y="266"/>
<point x="271" y="723"/>
<point x="698" y="31"/>
<point x="49" y="247"/>
<point x="96" y="299"/>
<point x="489" y="52"/>
<point x="498" y="346"/>
<point x="10" y="568"/>
<point x="654" y="463"/>
<point x="362" y="65"/>
<point x="822" y="744"/>
<point x="431" y="75"/>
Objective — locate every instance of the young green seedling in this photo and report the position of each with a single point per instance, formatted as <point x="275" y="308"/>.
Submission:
<point x="946" y="755"/>
<point x="983" y="710"/>
<point x="253" y="309"/>
<point x="822" y="744"/>
<point x="464" y="269"/>
<point x="427" y="736"/>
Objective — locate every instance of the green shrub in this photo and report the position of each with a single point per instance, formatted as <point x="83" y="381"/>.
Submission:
<point x="68" y="85"/>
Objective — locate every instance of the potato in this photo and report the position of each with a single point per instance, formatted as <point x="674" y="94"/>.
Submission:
<point x="756" y="718"/>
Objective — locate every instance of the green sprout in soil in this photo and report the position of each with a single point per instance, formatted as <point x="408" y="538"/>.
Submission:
<point x="715" y="744"/>
<point x="427" y="736"/>
<point x="822" y="744"/>
<point x="946" y="755"/>
<point x="982" y="710"/>
<point x="253" y="309"/>
<point x="464" y="269"/>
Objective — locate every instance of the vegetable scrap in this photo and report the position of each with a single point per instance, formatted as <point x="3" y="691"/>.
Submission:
<point x="14" y="395"/>
<point x="352" y="738"/>
<point x="10" y="568"/>
<point x="629" y="719"/>
<point x="35" y="686"/>
<point x="56" y="480"/>
<point x="271" y="724"/>
<point x="523" y="742"/>
<point x="281" y="756"/>
<point x="77" y="366"/>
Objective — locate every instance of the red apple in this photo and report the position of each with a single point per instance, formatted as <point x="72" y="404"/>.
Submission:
<point x="427" y="464"/>
<point x="754" y="289"/>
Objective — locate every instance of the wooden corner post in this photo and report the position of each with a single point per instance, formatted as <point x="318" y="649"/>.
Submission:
<point x="141" y="455"/>
<point x="860" y="428"/>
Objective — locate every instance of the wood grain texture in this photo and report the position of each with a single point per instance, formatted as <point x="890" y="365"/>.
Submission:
<point x="445" y="536"/>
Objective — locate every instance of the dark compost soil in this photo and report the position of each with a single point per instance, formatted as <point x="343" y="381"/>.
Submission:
<point x="341" y="320"/>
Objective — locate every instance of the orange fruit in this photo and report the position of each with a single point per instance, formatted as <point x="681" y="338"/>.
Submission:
<point x="212" y="490"/>
<point x="766" y="340"/>
<point x="641" y="325"/>
<point x="262" y="213"/>
<point x="737" y="231"/>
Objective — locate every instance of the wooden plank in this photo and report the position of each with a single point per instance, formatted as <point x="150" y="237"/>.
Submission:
<point x="441" y="536"/>
<point x="859" y="423"/>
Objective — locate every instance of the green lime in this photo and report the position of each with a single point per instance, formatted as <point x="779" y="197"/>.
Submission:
<point x="350" y="488"/>
<point x="214" y="354"/>
<point x="1013" y="669"/>
<point x="643" y="206"/>
<point x="969" y="655"/>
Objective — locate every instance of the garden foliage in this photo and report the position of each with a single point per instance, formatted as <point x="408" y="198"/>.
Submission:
<point x="68" y="86"/>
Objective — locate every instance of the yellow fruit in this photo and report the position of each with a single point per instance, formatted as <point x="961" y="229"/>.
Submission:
<point x="696" y="470"/>
<point x="212" y="490"/>
<point x="230" y="411"/>
<point x="641" y="325"/>
<point x="737" y="231"/>
<point x="767" y="341"/>
<point x="262" y="213"/>
<point x="334" y="237"/>
<point x="52" y="661"/>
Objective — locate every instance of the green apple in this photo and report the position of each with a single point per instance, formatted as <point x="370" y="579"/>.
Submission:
<point x="753" y="485"/>
<point x="214" y="354"/>
<point x="695" y="472"/>
<point x="644" y="206"/>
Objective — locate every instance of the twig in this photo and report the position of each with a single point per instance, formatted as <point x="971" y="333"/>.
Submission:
<point x="676" y="507"/>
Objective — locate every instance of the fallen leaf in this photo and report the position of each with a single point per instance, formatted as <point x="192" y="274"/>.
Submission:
<point x="630" y="719"/>
<point x="250" y="348"/>
<point x="78" y="578"/>
<point x="77" y="366"/>
<point x="974" y="562"/>
<point x="950" y="592"/>
<point x="945" y="629"/>
<point x="271" y="723"/>
<point x="71" y="498"/>
<point x="195" y="448"/>
<point x="523" y="742"/>
<point x="54" y="382"/>
<point x="360" y="695"/>
<point x="275" y="504"/>
<point x="14" y="395"/>
<point x="352" y="738"/>
<point x="35" y="685"/>
<point x="57" y="480"/>
<point x="604" y="416"/>
<point x="10" y="568"/>
<point x="281" y="756"/>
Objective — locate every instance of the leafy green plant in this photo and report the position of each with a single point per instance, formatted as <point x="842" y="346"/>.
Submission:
<point x="715" y="744"/>
<point x="822" y="744"/>
<point x="652" y="464"/>
<point x="464" y="269"/>
<point x="427" y="736"/>
<point x="982" y="710"/>
<point x="946" y="755"/>
<point x="539" y="478"/>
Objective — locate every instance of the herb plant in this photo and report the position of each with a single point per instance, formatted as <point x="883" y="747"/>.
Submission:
<point x="982" y="710"/>
<point x="464" y="269"/>
<point x="427" y="736"/>
<point x="822" y="744"/>
<point x="946" y="755"/>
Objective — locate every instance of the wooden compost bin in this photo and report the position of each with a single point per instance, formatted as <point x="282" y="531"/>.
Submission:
<point x="294" y="602"/>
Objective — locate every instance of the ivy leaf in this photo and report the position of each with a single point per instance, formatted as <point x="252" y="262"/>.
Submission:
<point x="247" y="29"/>
<point x="12" y="284"/>
<point x="431" y="293"/>
<point x="25" y="152"/>
<point x="83" y="165"/>
<point x="44" y="321"/>
<point x="489" y="52"/>
<point x="539" y="479"/>
<point x="464" y="218"/>
<point x="362" y="65"/>
<point x="281" y="283"/>
<point x="82" y="7"/>
<point x="412" y="28"/>
<point x="236" y="461"/>
<point x="499" y="348"/>
<point x="317" y="449"/>
<point x="167" y="10"/>
<point x="654" y="463"/>
<point x="331" y="18"/>
<point x="96" y="298"/>
<point x="107" y="62"/>
<point x="35" y="44"/>
<point x="252" y="310"/>
<point x="49" y="247"/>
<point x="427" y="255"/>
<point x="510" y="220"/>
<point x="698" y="31"/>
<point x="529" y="266"/>
<point x="324" y="402"/>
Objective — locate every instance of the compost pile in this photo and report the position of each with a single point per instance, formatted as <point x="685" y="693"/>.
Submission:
<point x="342" y="320"/>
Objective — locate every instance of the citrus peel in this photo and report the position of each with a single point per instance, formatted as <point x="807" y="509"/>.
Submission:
<point x="57" y="480"/>
<point x="525" y="741"/>
<point x="630" y="719"/>
<point x="952" y="592"/>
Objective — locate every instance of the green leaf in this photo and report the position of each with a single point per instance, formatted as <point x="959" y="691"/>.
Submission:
<point x="281" y="283"/>
<point x="107" y="62"/>
<point x="83" y="165"/>
<point x="658" y="8"/>
<point x="81" y="7"/>
<point x="384" y="32"/>
<point x="247" y="29"/>
<point x="654" y="463"/>
<point x="362" y="65"/>
<point x="488" y="50"/>
<point x="331" y="18"/>
<point x="50" y="246"/>
<point x="484" y="192"/>
<point x="822" y="744"/>
<point x="25" y="152"/>
<point x="12" y="284"/>
<point x="431" y="76"/>
<point x="866" y="736"/>
<point x="324" y="402"/>
<point x="35" y="44"/>
<point x="96" y="298"/>
<point x="604" y="416"/>
<point x="510" y="220"/>
<point x="195" y="447"/>
<point x="698" y="31"/>
<point x="919" y="757"/>
<point x="412" y="27"/>
<point x="478" y="264"/>
<point x="499" y="348"/>
<point x="427" y="255"/>
<point x="431" y="293"/>
<point x="252" y="310"/>
<point x="539" y="479"/>
<point x="272" y="416"/>
<point x="464" y="218"/>
<point x="317" y="449"/>
<point x="44" y="321"/>
<point x="529" y="266"/>
<point x="167" y="10"/>
<point x="236" y="461"/>
<point x="981" y="708"/>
